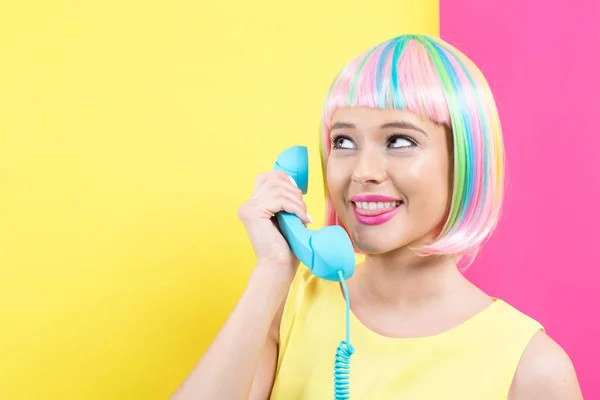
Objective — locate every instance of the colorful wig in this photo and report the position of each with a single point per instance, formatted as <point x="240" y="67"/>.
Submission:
<point x="429" y="77"/>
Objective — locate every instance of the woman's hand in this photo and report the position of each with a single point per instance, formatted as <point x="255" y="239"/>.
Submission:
<point x="273" y="191"/>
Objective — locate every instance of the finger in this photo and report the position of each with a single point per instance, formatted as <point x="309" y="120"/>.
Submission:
<point x="293" y="194"/>
<point x="259" y="181"/>
<point x="284" y="203"/>
<point x="276" y="186"/>
<point x="280" y="174"/>
<point x="274" y="179"/>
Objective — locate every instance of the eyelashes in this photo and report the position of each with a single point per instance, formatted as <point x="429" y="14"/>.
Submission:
<point x="394" y="137"/>
<point x="337" y="139"/>
<point x="343" y="142"/>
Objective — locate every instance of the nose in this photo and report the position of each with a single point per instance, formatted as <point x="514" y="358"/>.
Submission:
<point x="370" y="167"/>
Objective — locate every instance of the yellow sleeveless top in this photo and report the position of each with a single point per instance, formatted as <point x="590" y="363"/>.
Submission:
<point x="475" y="360"/>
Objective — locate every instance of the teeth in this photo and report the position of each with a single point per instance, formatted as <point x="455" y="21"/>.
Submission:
<point x="372" y="205"/>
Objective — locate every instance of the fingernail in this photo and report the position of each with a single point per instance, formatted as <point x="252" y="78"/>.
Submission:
<point x="293" y="181"/>
<point x="309" y="218"/>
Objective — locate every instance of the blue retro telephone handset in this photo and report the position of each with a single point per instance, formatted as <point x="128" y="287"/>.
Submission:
<point x="328" y="253"/>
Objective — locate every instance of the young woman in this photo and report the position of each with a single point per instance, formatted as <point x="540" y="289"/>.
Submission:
<point x="413" y="164"/>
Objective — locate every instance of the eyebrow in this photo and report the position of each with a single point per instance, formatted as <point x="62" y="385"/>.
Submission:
<point x="396" y="124"/>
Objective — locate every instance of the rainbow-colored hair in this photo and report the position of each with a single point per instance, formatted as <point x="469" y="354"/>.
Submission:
<point x="431" y="78"/>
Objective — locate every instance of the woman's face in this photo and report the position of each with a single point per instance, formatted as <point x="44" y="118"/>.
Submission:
<point x="388" y="177"/>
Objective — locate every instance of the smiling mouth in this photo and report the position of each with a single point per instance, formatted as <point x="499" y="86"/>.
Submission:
<point x="375" y="213"/>
<point x="375" y="208"/>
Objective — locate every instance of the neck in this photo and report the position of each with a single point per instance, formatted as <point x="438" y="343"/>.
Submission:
<point x="403" y="279"/>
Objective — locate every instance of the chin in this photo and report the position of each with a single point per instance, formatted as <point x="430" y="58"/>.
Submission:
<point x="375" y="242"/>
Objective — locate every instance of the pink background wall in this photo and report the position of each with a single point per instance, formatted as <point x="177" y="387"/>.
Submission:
<point x="542" y="59"/>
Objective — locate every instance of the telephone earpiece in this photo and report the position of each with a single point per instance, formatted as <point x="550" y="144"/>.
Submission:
<point x="326" y="251"/>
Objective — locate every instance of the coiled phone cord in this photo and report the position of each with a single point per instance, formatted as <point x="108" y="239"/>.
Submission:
<point x="342" y="355"/>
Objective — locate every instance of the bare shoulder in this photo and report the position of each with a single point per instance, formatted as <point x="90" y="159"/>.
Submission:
<point x="545" y="372"/>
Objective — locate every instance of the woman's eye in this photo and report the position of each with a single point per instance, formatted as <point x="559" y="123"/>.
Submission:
<point x="400" y="142"/>
<point x="342" y="143"/>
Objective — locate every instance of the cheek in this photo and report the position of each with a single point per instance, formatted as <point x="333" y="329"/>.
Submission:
<point x="335" y="181"/>
<point x="427" y="185"/>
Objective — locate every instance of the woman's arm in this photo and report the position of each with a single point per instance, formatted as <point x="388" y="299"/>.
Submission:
<point x="243" y="357"/>
<point x="545" y="372"/>
<point x="265" y="374"/>
<point x="248" y="339"/>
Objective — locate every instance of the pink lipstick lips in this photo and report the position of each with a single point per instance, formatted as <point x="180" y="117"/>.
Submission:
<point x="374" y="209"/>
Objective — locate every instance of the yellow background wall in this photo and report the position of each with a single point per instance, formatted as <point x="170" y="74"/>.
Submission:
<point x="130" y="133"/>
